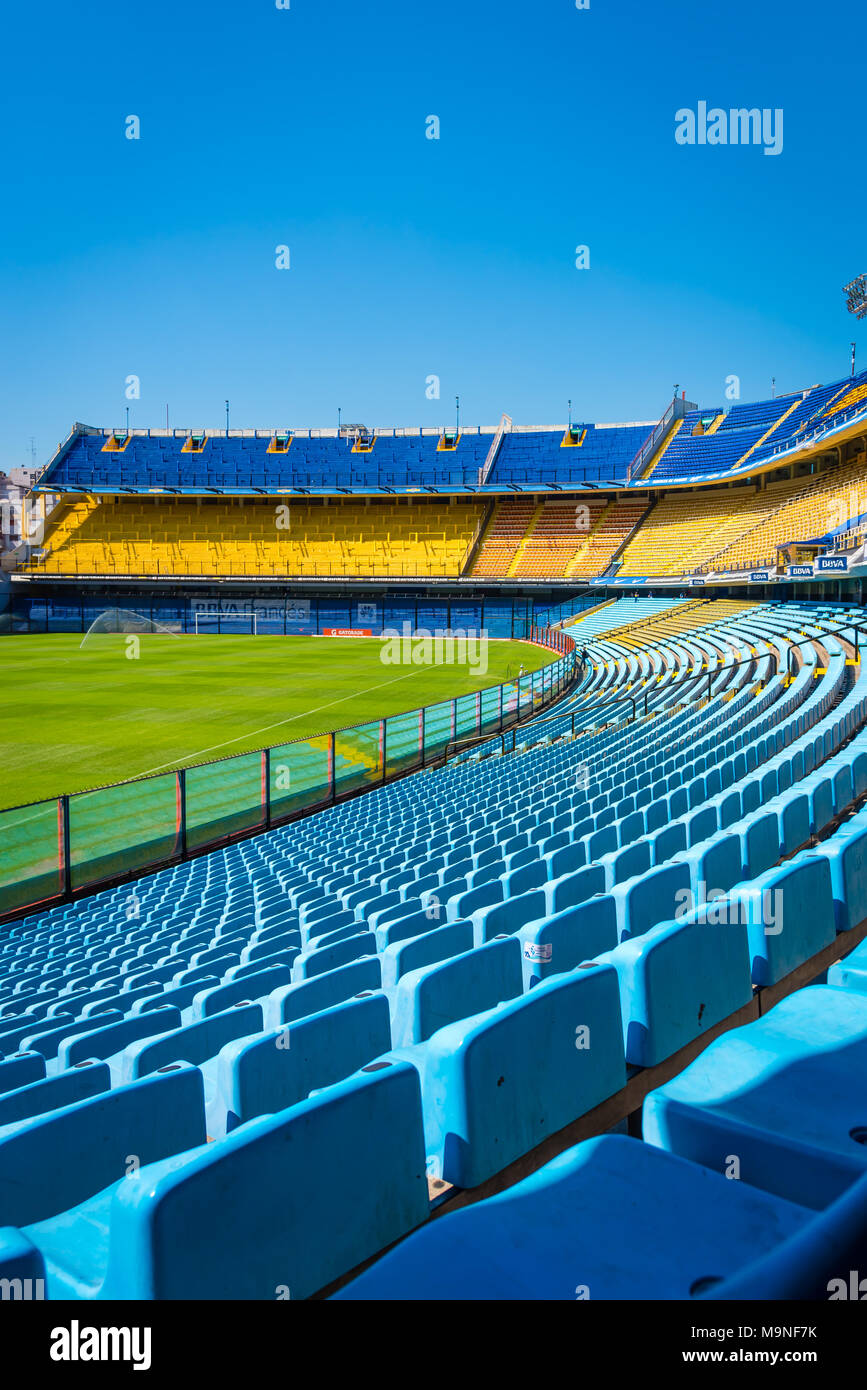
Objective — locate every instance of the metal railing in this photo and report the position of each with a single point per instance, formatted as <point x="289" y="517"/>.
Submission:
<point x="813" y="431"/>
<point x="503" y="428"/>
<point x="675" y="411"/>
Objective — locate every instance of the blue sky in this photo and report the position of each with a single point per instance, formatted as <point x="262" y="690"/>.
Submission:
<point x="412" y="257"/>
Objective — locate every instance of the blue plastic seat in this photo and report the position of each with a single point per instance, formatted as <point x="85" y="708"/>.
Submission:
<point x="789" y="912"/>
<point x="193" y="1043"/>
<point x="625" y="863"/>
<point x="279" y="1068"/>
<point x="21" y="1070"/>
<point x="609" y="1219"/>
<point x="299" y="1217"/>
<point x="489" y="1097"/>
<point x="564" y="940"/>
<point x="150" y="1119"/>
<point x="313" y="962"/>
<point x="780" y="1094"/>
<point x="54" y="1092"/>
<point x="652" y="897"/>
<point x="846" y="854"/>
<point x="321" y="991"/>
<point x="678" y="980"/>
<point x="502" y="919"/>
<point x="113" y="1037"/>
<point x="435" y="995"/>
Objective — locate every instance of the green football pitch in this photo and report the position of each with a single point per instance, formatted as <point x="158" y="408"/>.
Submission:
<point x="76" y="719"/>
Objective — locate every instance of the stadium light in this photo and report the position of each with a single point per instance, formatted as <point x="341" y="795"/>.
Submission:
<point x="856" y="296"/>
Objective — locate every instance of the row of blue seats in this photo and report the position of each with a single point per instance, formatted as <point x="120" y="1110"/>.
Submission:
<point x="772" y="1105"/>
<point x="493" y="1062"/>
<point x="235" y="462"/>
<point x="744" y="428"/>
<point x="504" y="958"/>
<point x="759" y="413"/>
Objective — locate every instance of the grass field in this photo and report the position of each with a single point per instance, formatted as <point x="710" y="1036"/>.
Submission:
<point x="75" y="719"/>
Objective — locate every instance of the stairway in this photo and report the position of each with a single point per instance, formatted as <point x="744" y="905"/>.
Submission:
<point x="672" y="434"/>
<point x="533" y="523"/>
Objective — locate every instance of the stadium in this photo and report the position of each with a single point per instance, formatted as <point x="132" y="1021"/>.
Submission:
<point x="433" y="857"/>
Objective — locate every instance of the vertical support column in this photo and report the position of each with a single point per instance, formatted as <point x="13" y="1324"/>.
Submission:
<point x="182" y="812"/>
<point x="421" y="724"/>
<point x="266" y="786"/>
<point x="332" y="758"/>
<point x="383" y="752"/>
<point x="66" y="867"/>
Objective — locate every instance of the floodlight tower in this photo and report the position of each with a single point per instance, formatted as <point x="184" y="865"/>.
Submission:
<point x="856" y="296"/>
<point x="856" y="303"/>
